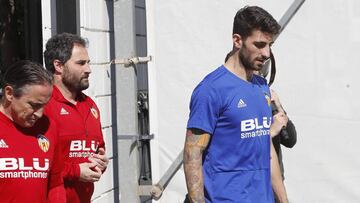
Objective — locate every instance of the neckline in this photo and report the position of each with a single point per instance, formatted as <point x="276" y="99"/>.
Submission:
<point x="251" y="82"/>
<point x="6" y="119"/>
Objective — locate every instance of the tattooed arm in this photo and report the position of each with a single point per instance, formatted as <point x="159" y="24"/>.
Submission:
<point x="195" y="143"/>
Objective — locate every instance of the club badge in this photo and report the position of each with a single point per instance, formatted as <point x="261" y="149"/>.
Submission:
<point x="268" y="99"/>
<point x="94" y="112"/>
<point x="43" y="142"/>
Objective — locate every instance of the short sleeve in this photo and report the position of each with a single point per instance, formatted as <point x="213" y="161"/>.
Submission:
<point x="204" y="108"/>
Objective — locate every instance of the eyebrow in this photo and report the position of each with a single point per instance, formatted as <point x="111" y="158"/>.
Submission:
<point x="82" y="61"/>
<point x="36" y="105"/>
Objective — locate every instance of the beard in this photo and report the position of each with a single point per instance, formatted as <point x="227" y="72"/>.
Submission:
<point x="248" y="63"/>
<point x="73" y="82"/>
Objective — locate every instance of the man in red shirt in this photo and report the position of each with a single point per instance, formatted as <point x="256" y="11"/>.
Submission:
<point x="76" y="114"/>
<point x="30" y="164"/>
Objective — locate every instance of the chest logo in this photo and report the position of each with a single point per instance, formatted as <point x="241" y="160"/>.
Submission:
<point x="3" y="144"/>
<point x="241" y="104"/>
<point x="94" y="112"/>
<point x="43" y="142"/>
<point x="63" y="111"/>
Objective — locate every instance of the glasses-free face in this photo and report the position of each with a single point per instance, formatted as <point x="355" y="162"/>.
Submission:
<point x="255" y="50"/>
<point x="27" y="108"/>
<point x="76" y="70"/>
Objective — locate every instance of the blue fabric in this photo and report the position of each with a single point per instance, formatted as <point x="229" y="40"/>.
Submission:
<point x="237" y="115"/>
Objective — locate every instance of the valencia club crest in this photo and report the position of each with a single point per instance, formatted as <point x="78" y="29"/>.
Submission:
<point x="94" y="112"/>
<point x="268" y="99"/>
<point x="43" y="142"/>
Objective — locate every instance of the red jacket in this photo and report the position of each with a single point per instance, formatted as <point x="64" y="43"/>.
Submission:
<point x="30" y="164"/>
<point x="80" y="136"/>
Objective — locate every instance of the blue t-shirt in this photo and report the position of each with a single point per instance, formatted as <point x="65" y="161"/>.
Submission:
<point x="237" y="115"/>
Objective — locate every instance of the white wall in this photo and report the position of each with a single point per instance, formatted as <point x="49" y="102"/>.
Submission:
<point x="317" y="83"/>
<point x="94" y="25"/>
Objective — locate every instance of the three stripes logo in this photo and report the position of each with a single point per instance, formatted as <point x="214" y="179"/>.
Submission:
<point x="63" y="112"/>
<point x="241" y="104"/>
<point x="3" y="144"/>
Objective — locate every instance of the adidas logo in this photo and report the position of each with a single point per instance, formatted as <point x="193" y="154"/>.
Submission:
<point x="3" y="144"/>
<point x="241" y="104"/>
<point x="63" y="112"/>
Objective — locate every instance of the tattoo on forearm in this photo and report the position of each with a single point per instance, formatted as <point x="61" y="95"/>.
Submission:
<point x="194" y="146"/>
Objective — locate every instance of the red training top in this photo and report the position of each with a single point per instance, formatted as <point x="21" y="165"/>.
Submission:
<point x="30" y="164"/>
<point x="80" y="136"/>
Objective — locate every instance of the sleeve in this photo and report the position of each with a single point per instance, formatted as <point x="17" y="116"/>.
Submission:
<point x="291" y="139"/>
<point x="56" y="193"/>
<point x="55" y="178"/>
<point x="71" y="171"/>
<point x="204" y="108"/>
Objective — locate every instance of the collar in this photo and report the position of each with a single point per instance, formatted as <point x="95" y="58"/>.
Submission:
<point x="5" y="119"/>
<point x="58" y="96"/>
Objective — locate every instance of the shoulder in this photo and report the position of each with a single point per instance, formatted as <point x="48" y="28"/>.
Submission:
<point x="214" y="80"/>
<point x="217" y="76"/>
<point x="84" y="99"/>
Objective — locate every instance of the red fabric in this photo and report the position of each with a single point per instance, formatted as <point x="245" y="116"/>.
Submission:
<point x="29" y="162"/>
<point x="80" y="135"/>
<point x="57" y="195"/>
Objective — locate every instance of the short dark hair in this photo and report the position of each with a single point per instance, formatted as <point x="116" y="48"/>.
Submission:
<point x="60" y="47"/>
<point x="250" y="18"/>
<point x="23" y="73"/>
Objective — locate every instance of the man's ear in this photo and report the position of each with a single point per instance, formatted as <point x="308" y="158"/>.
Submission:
<point x="8" y="93"/>
<point x="237" y="41"/>
<point x="58" y="66"/>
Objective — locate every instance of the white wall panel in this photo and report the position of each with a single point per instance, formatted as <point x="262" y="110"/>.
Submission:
<point x="95" y="14"/>
<point x="99" y="49"/>
<point x="107" y="197"/>
<point x="46" y="20"/>
<point x="100" y="80"/>
<point x="105" y="184"/>
<point x="107" y="132"/>
<point x="104" y="103"/>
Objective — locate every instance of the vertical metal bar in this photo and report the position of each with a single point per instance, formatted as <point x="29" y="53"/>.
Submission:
<point x="126" y="98"/>
<point x="53" y="18"/>
<point x="116" y="179"/>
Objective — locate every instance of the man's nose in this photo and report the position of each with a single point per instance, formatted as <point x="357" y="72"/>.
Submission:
<point x="39" y="113"/>
<point x="265" y="52"/>
<point x="87" y="68"/>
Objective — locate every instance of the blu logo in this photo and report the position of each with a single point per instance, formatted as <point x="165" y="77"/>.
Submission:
<point x="253" y="124"/>
<point x="82" y="145"/>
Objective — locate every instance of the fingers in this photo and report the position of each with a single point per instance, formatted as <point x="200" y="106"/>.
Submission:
<point x="99" y="162"/>
<point x="89" y="172"/>
<point x="281" y="118"/>
<point x="100" y="159"/>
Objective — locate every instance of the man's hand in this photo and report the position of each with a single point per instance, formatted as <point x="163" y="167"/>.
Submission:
<point x="89" y="172"/>
<point x="279" y="121"/>
<point x="100" y="159"/>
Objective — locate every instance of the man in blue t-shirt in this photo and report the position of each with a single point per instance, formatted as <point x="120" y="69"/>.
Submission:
<point x="228" y="152"/>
